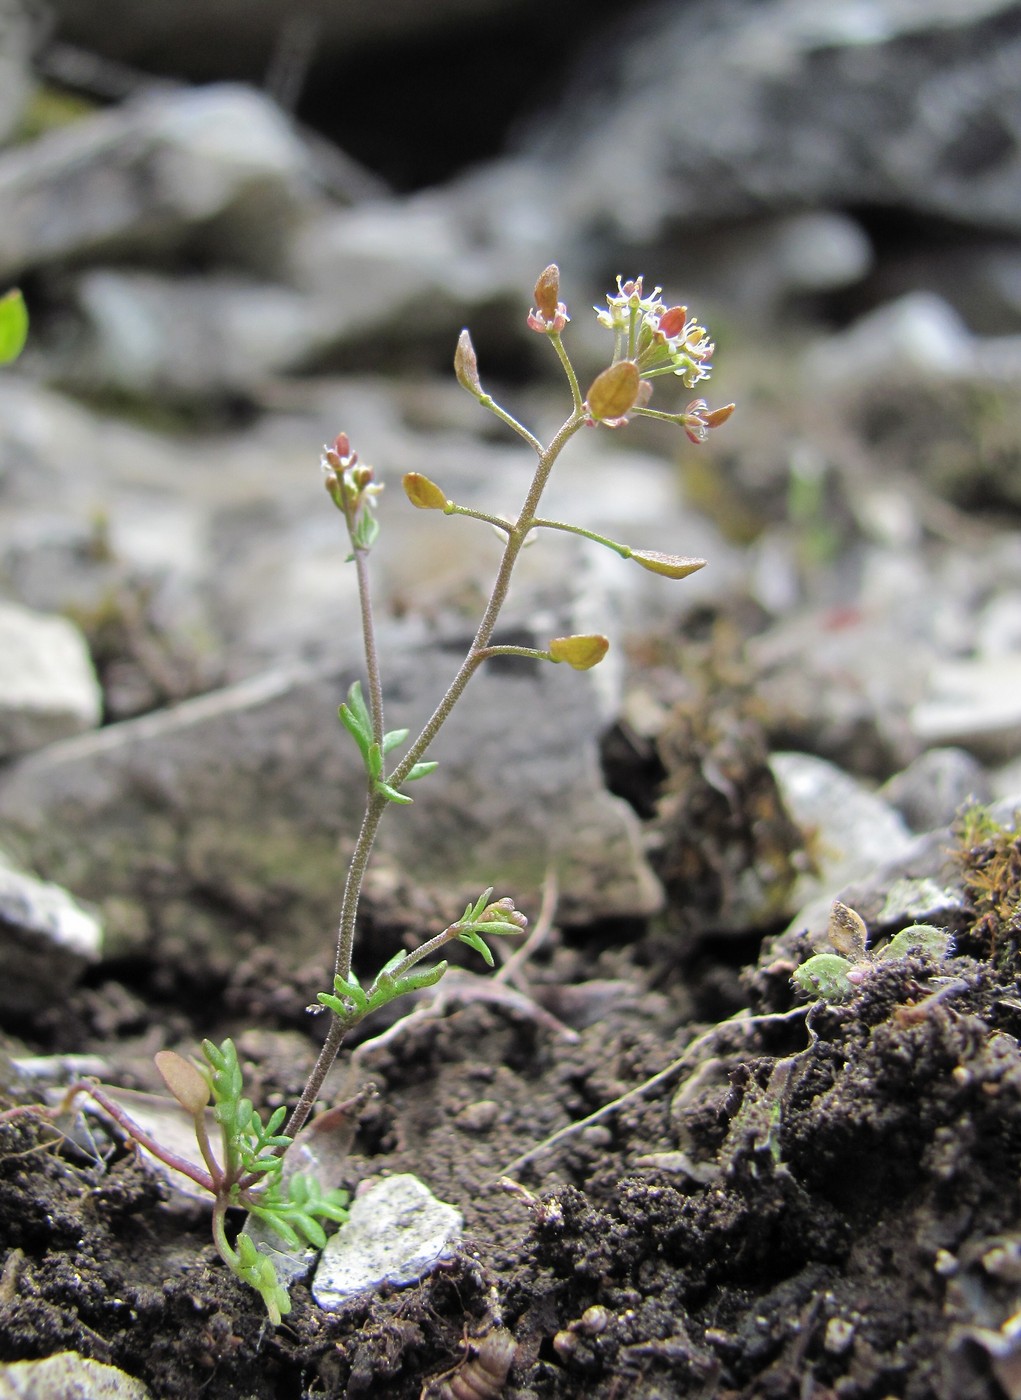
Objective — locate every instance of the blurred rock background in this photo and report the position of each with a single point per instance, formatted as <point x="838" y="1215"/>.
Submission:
<point x="244" y="225"/>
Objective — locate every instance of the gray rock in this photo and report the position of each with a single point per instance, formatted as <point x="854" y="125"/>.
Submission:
<point x="152" y="336"/>
<point x="247" y="792"/>
<point x="842" y="683"/>
<point x="707" y="111"/>
<point x="930" y="791"/>
<point x="974" y="704"/>
<point x="68" y="1376"/>
<point x="16" y="81"/>
<point x="49" y="939"/>
<point x="48" y="689"/>
<point x="145" y="175"/>
<point x="396" y="1234"/>
<point x="849" y="830"/>
<point x="917" y="335"/>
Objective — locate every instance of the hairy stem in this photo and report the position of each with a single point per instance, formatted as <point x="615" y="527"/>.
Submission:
<point x="369" y="637"/>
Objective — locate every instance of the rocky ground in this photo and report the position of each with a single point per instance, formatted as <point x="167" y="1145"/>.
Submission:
<point x="678" y="1174"/>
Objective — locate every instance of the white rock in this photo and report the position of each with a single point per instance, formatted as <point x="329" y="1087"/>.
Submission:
<point x="142" y="174"/>
<point x="918" y="332"/>
<point x="973" y="703"/>
<point x="849" y="830"/>
<point x="396" y="1234"/>
<point x="48" y="689"/>
<point x="68" y="1376"/>
<point x="49" y="938"/>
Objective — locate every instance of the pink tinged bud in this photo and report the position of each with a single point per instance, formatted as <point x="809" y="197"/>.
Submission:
<point x="502" y="911"/>
<point x="466" y="366"/>
<point x="342" y="446"/>
<point x="581" y="652"/>
<point x="547" y="292"/>
<point x="669" y="565"/>
<point x="673" y="321"/>
<point x="699" y="418"/>
<point x="422" y="492"/>
<point x="614" y="392"/>
<point x="184" y="1081"/>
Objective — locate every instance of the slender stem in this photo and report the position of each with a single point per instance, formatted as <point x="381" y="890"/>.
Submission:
<point x="515" y="539"/>
<point x="206" y="1148"/>
<point x="488" y="402"/>
<point x="677" y="419"/>
<point x="431" y="945"/>
<point x="572" y="378"/>
<point x="621" y="549"/>
<point x="375" y="807"/>
<point x="532" y="653"/>
<point x="223" y="1248"/>
<point x="137" y="1134"/>
<point x="495" y="520"/>
<point x="321" y="1068"/>
<point x="369" y="637"/>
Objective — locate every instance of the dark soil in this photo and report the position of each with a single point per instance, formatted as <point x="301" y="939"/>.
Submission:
<point x="786" y="1203"/>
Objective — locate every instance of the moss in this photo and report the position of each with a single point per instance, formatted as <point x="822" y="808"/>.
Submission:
<point x="989" y="853"/>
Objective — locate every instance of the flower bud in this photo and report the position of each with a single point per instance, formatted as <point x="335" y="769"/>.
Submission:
<point x="673" y="321"/>
<point x="614" y="392"/>
<point x="422" y="492"/>
<point x="502" y="911"/>
<point x="466" y="366"/>
<point x="547" y="292"/>
<point x="185" y="1082"/>
<point x="581" y="652"/>
<point x="669" y="565"/>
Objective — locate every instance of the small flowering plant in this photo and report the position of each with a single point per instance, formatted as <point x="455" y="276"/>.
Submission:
<point x="650" y="339"/>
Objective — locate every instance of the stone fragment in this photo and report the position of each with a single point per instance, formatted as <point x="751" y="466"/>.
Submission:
<point x="48" y="940"/>
<point x="396" y="1234"/>
<point x="149" y="335"/>
<point x="48" y="689"/>
<point x="848" y="829"/>
<point x="932" y="789"/>
<point x="68" y="1376"/>
<point x="142" y="176"/>
<point x="975" y="704"/>
<point x="16" y="44"/>
<point x="248" y="791"/>
<point x="793" y="106"/>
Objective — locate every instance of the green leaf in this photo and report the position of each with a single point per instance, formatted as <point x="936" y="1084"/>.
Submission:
<point x="391" y="794"/>
<point x="355" y="717"/>
<point x="474" y="941"/>
<point x="374" y="761"/>
<point x="825" y="976"/>
<point x="13" y="326"/>
<point x="421" y="770"/>
<point x="272" y="1217"/>
<point x="366" y="531"/>
<point x="393" y="738"/>
<point x="925" y="940"/>
<point x="311" y="1229"/>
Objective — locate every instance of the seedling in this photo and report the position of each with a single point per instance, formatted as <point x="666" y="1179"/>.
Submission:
<point x="651" y="340"/>
<point x="838" y="975"/>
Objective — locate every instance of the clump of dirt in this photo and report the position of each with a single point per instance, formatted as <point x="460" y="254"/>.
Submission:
<point x="797" y="1202"/>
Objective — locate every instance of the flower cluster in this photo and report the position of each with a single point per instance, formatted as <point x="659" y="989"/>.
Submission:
<point x="352" y="488"/>
<point x="660" y="339"/>
<point x="651" y="339"/>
